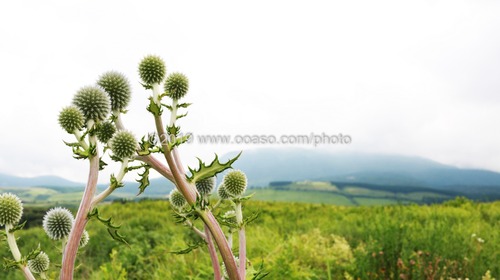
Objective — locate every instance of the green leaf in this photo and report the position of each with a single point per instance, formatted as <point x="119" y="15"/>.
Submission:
<point x="18" y="227"/>
<point x="112" y="229"/>
<point x="178" y="141"/>
<point x="102" y="164"/>
<point x="173" y="130"/>
<point x="167" y="106"/>
<point x="183" y="105"/>
<point x="31" y="255"/>
<point x="154" y="108"/>
<point x="181" y="116"/>
<point x="251" y="218"/>
<point x="73" y="144"/>
<point x="211" y="170"/>
<point x="146" y="86"/>
<point x="144" y="180"/>
<point x="260" y="273"/>
<point x="10" y="263"/>
<point x="190" y="248"/>
<point x="113" y="182"/>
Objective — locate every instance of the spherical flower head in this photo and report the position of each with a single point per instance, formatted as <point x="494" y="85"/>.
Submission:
<point x="71" y="119"/>
<point x="123" y="144"/>
<point x="205" y="186"/>
<point x="58" y="222"/>
<point x="152" y="70"/>
<point x="85" y="239"/>
<point x="40" y="263"/>
<point x="223" y="194"/>
<point x="235" y="182"/>
<point x="105" y="131"/>
<point x="93" y="103"/>
<point x="176" y="85"/>
<point x="177" y="199"/>
<point x="116" y="85"/>
<point x="11" y="209"/>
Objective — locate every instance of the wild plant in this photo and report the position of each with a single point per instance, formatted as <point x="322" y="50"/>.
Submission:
<point x="95" y="120"/>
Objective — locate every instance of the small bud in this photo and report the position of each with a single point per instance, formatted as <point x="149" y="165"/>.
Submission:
<point x="176" y="85"/>
<point x="40" y="263"/>
<point x="71" y="119"/>
<point x="205" y="186"/>
<point x="85" y="239"/>
<point x="105" y="131"/>
<point x="116" y="85"/>
<point x="177" y="199"/>
<point x="223" y="194"/>
<point x="58" y="222"/>
<point x="152" y="70"/>
<point x="11" y="209"/>
<point x="235" y="182"/>
<point x="93" y="103"/>
<point x="123" y="144"/>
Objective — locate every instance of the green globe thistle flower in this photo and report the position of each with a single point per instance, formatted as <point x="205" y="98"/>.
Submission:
<point x="177" y="199"/>
<point x="235" y="182"/>
<point x="85" y="239"/>
<point x="71" y="119"/>
<point x="123" y="144"/>
<point x="223" y="194"/>
<point x="176" y="85"/>
<point x="93" y="103"/>
<point x="116" y="85"/>
<point x="11" y="209"/>
<point x="152" y="70"/>
<point x="40" y="263"/>
<point x="58" y="222"/>
<point x="205" y="186"/>
<point x="105" y="131"/>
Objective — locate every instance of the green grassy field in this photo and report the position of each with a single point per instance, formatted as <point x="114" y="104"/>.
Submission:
<point x="297" y="241"/>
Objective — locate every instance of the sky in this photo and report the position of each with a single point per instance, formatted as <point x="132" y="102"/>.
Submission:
<point x="417" y="78"/>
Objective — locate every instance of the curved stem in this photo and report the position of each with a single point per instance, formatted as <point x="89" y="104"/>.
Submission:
<point x="158" y="166"/>
<point x="69" y="254"/>
<point x="213" y="254"/>
<point x="118" y="120"/>
<point x="100" y="197"/>
<point x="11" y="240"/>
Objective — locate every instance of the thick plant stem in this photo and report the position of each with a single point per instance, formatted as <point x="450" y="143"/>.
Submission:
<point x="218" y="235"/>
<point x="69" y="254"/>
<point x="158" y="166"/>
<point x="242" y="241"/>
<point x="11" y="240"/>
<point x="213" y="254"/>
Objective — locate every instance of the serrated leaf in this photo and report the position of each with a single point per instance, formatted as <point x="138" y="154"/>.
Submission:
<point x="190" y="248"/>
<point x="184" y="105"/>
<point x="102" y="164"/>
<point x="72" y="144"/>
<point x="144" y="180"/>
<point x="112" y="229"/>
<point x="154" y="108"/>
<point x="167" y="106"/>
<point x="146" y="86"/>
<point x="115" y="158"/>
<point x="173" y="130"/>
<point x="211" y="170"/>
<point x="113" y="182"/>
<point x="18" y="227"/>
<point x="9" y="263"/>
<point x="251" y="218"/>
<point x="260" y="273"/>
<point x="178" y="141"/>
<point x="181" y="116"/>
<point x="31" y="255"/>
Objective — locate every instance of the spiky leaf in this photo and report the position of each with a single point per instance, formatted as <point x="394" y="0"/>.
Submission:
<point x="190" y="248"/>
<point x="154" y="108"/>
<point x="144" y="180"/>
<point x="112" y="229"/>
<point x="205" y="171"/>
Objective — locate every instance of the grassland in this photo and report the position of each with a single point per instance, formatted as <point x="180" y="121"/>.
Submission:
<point x="457" y="239"/>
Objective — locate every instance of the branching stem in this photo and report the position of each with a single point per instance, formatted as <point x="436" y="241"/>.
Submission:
<point x="11" y="240"/>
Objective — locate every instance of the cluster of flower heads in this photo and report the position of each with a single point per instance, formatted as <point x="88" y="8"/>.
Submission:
<point x="233" y="185"/>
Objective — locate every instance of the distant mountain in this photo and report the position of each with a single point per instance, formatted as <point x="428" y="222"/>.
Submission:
<point x="263" y="166"/>
<point x="53" y="181"/>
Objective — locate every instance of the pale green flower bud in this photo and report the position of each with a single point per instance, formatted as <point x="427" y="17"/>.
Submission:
<point x="11" y="209"/>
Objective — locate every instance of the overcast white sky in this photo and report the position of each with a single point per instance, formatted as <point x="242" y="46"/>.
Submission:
<point x="402" y="77"/>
